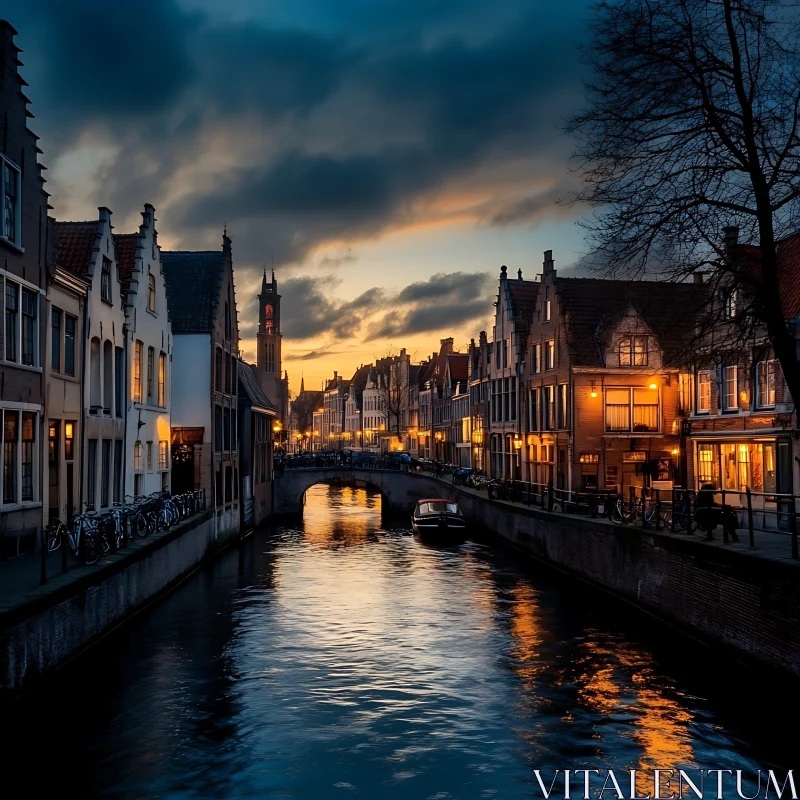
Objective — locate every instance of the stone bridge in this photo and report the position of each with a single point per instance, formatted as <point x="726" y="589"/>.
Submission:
<point x="400" y="489"/>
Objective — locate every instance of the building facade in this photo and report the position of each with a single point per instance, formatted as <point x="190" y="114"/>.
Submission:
<point x="23" y="271"/>
<point x="149" y="344"/>
<point x="204" y="435"/>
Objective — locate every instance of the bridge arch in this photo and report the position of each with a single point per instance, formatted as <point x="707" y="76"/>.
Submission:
<point x="400" y="490"/>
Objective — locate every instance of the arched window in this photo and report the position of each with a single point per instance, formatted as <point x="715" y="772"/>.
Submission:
<point x="108" y="377"/>
<point x="95" y="398"/>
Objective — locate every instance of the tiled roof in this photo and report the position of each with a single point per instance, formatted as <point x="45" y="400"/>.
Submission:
<point x="193" y="282"/>
<point x="523" y="303"/>
<point x="125" y="249"/>
<point x="426" y="371"/>
<point x="458" y="364"/>
<point x="75" y="242"/>
<point x="252" y="389"/>
<point x="594" y="307"/>
<point x="359" y="379"/>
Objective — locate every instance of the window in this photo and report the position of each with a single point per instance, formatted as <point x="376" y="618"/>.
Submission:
<point x="28" y="446"/>
<point x="226" y="429"/>
<point x="138" y="355"/>
<point x="548" y="408"/>
<point x="631" y="409"/>
<point x="227" y="321"/>
<point x="729" y="304"/>
<point x="162" y="454"/>
<point x="533" y="411"/>
<point x="703" y="391"/>
<point x="218" y="428"/>
<point x="562" y="406"/>
<point x="138" y="484"/>
<point x="137" y="456"/>
<point x="10" y="438"/>
<point x="505" y="353"/>
<point x="105" y="280"/>
<point x="118" y="378"/>
<point x="546" y="311"/>
<point x="149" y="456"/>
<point x="269" y="359"/>
<point x="218" y="371"/>
<point x="151" y="357"/>
<point x="12" y="320"/>
<point x="227" y="373"/>
<point x="162" y="380"/>
<point x="151" y="293"/>
<point x="765" y="380"/>
<point x="105" y="475"/>
<point x="69" y="441"/>
<point x="729" y="386"/>
<point x="118" y="470"/>
<point x="91" y="473"/>
<point x="536" y="359"/>
<point x="11" y="202"/>
<point x="95" y="398"/>
<point x="108" y="377"/>
<point x="550" y="354"/>
<point x="233" y="431"/>
<point x="30" y="306"/>
<point x="55" y="340"/>
<point x="69" y="344"/>
<point x="633" y="351"/>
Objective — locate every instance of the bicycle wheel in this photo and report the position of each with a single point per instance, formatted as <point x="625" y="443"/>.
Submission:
<point x="140" y="525"/>
<point x="54" y="534"/>
<point x="617" y="513"/>
<point x="91" y="549"/>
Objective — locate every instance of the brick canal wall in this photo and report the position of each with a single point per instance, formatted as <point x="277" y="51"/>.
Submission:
<point x="727" y="596"/>
<point x="68" y="615"/>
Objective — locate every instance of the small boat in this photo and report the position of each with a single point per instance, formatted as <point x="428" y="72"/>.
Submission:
<point x="438" y="518"/>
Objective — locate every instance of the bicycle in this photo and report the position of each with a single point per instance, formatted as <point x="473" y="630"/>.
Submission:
<point x="83" y="538"/>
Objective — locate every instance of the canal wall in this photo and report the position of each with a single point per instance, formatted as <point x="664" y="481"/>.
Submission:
<point x="75" y="609"/>
<point x="727" y="595"/>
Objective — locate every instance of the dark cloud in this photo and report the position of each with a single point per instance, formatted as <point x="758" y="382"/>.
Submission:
<point x="311" y="355"/>
<point x="455" y="287"/>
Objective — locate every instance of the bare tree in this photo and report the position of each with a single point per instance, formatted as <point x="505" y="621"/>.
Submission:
<point x="692" y="127"/>
<point x="394" y="390"/>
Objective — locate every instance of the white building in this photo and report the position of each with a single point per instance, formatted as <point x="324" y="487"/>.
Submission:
<point x="149" y="349"/>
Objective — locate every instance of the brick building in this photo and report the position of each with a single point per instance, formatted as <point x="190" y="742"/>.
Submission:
<point x="600" y="400"/>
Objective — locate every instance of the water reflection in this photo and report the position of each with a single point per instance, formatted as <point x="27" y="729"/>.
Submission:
<point x="342" y="656"/>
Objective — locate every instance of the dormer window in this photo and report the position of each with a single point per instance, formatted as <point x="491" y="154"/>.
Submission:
<point x="105" y="280"/>
<point x="633" y="351"/>
<point x="151" y="292"/>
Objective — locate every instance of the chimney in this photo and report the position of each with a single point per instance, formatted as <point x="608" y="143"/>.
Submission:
<point x="519" y="274"/>
<point x="447" y="344"/>
<point x="548" y="265"/>
<point x="698" y="277"/>
<point x="730" y="235"/>
<point x="104" y="214"/>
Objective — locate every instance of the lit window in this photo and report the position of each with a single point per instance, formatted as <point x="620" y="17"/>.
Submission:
<point x="151" y="292"/>
<point x="138" y="355"/>
<point x="631" y="409"/>
<point x="550" y="354"/>
<point x="137" y="456"/>
<point x="162" y="380"/>
<point x="703" y="392"/>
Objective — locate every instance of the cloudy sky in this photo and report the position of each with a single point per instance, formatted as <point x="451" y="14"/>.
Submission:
<point x="386" y="155"/>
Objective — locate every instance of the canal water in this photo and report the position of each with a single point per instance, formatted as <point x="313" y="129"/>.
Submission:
<point x="341" y="657"/>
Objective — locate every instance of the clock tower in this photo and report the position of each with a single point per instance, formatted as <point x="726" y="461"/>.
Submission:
<point x="270" y="375"/>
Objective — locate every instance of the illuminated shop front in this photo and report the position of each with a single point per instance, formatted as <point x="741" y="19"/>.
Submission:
<point x="754" y="464"/>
